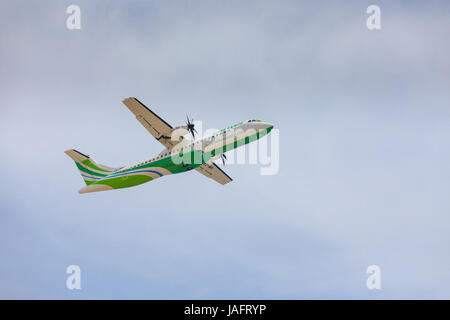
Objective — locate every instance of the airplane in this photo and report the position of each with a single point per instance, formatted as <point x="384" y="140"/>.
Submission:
<point x="179" y="154"/>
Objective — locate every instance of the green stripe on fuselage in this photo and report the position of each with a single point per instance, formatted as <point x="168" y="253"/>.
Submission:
<point x="124" y="182"/>
<point x="235" y="144"/>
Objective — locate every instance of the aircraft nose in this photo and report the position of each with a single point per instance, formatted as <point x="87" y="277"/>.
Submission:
<point x="261" y="125"/>
<point x="267" y="125"/>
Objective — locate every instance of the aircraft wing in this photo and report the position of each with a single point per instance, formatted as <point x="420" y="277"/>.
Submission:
<point x="211" y="170"/>
<point x="157" y="127"/>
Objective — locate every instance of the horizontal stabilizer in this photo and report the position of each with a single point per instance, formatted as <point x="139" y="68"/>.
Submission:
<point x="95" y="188"/>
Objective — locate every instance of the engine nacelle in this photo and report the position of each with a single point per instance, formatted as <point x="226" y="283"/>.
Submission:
<point x="178" y="132"/>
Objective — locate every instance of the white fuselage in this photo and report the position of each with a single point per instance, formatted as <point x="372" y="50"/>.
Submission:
<point x="217" y="141"/>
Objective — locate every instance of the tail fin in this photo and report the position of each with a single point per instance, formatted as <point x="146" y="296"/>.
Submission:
<point x="89" y="170"/>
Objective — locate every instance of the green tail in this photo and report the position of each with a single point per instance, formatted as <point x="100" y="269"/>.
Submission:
<point x="89" y="170"/>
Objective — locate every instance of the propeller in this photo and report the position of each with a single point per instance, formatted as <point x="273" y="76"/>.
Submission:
<point x="224" y="157"/>
<point x="190" y="126"/>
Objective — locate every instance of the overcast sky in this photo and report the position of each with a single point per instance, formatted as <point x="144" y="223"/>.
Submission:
<point x="364" y="175"/>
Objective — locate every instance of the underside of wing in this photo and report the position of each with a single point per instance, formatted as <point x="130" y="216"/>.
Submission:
<point x="212" y="171"/>
<point x="157" y="127"/>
